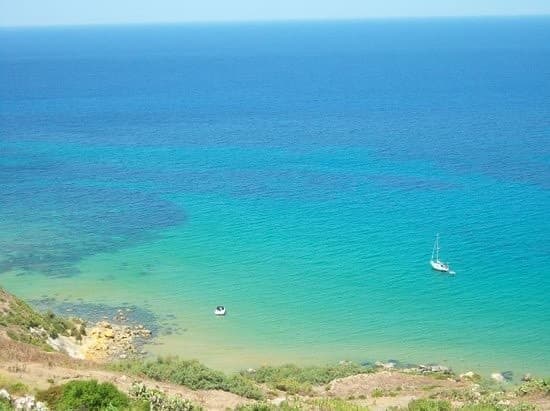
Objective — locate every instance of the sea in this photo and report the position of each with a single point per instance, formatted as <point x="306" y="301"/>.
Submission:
<point x="296" y="173"/>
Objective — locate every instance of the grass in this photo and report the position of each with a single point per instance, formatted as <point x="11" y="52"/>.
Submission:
<point x="336" y="404"/>
<point x="492" y="407"/>
<point x="324" y="404"/>
<point x="18" y="318"/>
<point x="300" y="380"/>
<point x="429" y="405"/>
<point x="289" y="378"/>
<point x="12" y="386"/>
<point x="263" y="406"/>
<point x="534" y="386"/>
<point x="430" y="387"/>
<point x="379" y="392"/>
<point x="479" y="407"/>
<point x="14" y="351"/>
<point x="192" y="374"/>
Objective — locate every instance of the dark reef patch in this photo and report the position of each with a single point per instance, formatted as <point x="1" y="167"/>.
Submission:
<point x="53" y="222"/>
<point x="123" y="314"/>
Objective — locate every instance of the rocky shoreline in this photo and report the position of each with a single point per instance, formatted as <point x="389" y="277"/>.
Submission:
<point x="104" y="342"/>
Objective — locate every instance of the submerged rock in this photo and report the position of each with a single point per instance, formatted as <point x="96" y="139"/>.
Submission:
<point x="104" y="324"/>
<point x="498" y="377"/>
<point x="508" y="375"/>
<point x="440" y="368"/>
<point x="436" y="368"/>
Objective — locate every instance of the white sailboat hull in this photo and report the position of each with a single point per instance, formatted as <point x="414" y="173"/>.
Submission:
<point x="439" y="266"/>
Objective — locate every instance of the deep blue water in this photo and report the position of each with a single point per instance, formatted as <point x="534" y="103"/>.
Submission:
<point x="296" y="172"/>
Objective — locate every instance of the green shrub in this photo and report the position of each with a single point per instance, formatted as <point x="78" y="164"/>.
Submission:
<point x="429" y="405"/>
<point x="50" y="396"/>
<point x="192" y="374"/>
<point x="84" y="395"/>
<point x="316" y="375"/>
<point x="140" y="405"/>
<point x="377" y="393"/>
<point x="243" y="387"/>
<point x="291" y="386"/>
<point x="157" y="400"/>
<point x="5" y="405"/>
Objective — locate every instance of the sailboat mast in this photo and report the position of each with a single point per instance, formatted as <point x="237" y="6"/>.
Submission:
<point x="436" y="246"/>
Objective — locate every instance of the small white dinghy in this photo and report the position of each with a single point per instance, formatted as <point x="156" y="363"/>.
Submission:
<point x="220" y="310"/>
<point x="435" y="262"/>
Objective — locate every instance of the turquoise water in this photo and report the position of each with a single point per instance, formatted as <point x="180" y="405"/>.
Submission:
<point x="297" y="174"/>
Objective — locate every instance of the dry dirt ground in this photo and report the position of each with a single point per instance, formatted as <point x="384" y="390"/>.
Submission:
<point x="390" y="388"/>
<point x="41" y="376"/>
<point x="398" y="389"/>
<point x="39" y="370"/>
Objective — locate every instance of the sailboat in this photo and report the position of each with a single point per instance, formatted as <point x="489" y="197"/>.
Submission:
<point x="435" y="262"/>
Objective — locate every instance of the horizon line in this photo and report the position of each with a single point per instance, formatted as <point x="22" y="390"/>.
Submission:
<point x="277" y="20"/>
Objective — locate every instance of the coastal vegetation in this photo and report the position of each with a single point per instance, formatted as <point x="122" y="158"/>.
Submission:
<point x="429" y="405"/>
<point x="533" y="386"/>
<point x="300" y="380"/>
<point x="325" y="404"/>
<point x="191" y="374"/>
<point x="92" y="395"/>
<point x="84" y="395"/>
<point x="13" y="386"/>
<point x="338" y="404"/>
<point x="5" y="405"/>
<point x="24" y="324"/>
<point x="154" y="399"/>
<point x="288" y="378"/>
